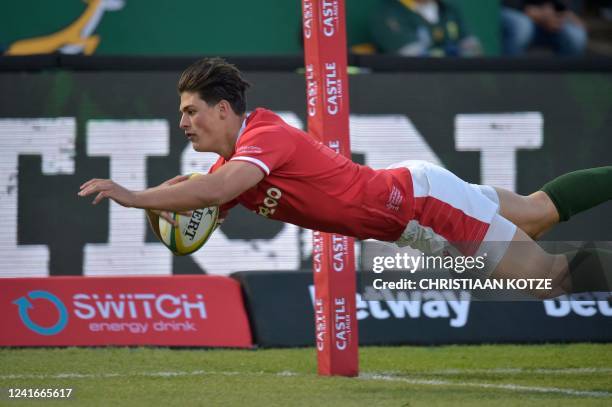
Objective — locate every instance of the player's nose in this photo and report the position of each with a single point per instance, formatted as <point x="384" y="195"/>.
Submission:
<point x="184" y="123"/>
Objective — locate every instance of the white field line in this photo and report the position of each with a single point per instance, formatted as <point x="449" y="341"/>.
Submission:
<point x="363" y="376"/>
<point x="508" y="386"/>
<point x="565" y="371"/>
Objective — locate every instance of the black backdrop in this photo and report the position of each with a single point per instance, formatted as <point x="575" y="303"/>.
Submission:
<point x="575" y="107"/>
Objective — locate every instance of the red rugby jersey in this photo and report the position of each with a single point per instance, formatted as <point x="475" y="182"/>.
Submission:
<point x="310" y="185"/>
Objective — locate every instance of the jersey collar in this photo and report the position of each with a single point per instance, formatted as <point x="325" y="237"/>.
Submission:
<point x="242" y="129"/>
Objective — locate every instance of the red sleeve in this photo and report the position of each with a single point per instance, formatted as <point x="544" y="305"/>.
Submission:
<point x="267" y="148"/>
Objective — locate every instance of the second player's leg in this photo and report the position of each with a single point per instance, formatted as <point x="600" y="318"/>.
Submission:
<point x="524" y="259"/>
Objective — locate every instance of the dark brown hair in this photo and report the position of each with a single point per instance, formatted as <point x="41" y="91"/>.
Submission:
<point x="214" y="79"/>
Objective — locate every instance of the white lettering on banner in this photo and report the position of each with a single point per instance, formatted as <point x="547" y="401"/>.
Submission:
<point x="342" y="323"/>
<point x="584" y="305"/>
<point x="54" y="141"/>
<point x="128" y="143"/>
<point x="417" y="304"/>
<point x="138" y="306"/>
<point x="307" y="15"/>
<point x="388" y="139"/>
<point x="329" y="16"/>
<point x="317" y="250"/>
<point x="333" y="88"/>
<point x="339" y="252"/>
<point x="311" y="90"/>
<point x="498" y="137"/>
<point x="320" y="323"/>
<point x="280" y="253"/>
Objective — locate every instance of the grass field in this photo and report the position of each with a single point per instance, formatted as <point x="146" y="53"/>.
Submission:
<point x="500" y="375"/>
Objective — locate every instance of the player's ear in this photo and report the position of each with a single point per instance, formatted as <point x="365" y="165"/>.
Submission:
<point x="224" y="108"/>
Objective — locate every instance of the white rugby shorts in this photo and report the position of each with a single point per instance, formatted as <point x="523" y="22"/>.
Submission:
<point x="454" y="216"/>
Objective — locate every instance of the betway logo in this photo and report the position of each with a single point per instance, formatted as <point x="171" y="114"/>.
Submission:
<point x="585" y="305"/>
<point x="427" y="304"/>
<point x="138" y="306"/>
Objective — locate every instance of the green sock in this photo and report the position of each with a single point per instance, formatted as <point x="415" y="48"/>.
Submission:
<point x="578" y="191"/>
<point x="590" y="270"/>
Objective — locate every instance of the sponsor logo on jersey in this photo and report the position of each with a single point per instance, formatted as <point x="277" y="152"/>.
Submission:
<point x="270" y="202"/>
<point x="395" y="199"/>
<point x="249" y="150"/>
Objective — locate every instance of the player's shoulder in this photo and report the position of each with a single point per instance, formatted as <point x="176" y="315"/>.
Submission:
<point x="265" y="125"/>
<point x="261" y="119"/>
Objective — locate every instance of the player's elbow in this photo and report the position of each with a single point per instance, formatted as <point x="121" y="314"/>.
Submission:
<point x="225" y="195"/>
<point x="213" y="197"/>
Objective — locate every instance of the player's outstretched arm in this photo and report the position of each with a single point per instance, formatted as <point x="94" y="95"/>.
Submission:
<point x="153" y="215"/>
<point x="214" y="189"/>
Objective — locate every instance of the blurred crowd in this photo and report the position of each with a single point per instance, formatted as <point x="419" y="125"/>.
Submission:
<point x="526" y="27"/>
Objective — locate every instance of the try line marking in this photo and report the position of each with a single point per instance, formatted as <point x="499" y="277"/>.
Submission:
<point x="364" y="376"/>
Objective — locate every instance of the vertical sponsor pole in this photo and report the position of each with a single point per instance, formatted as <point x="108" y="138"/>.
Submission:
<point x="327" y="101"/>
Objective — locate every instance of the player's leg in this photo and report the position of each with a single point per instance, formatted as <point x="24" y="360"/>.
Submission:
<point x="584" y="270"/>
<point x="450" y="211"/>
<point x="558" y="200"/>
<point x="535" y="214"/>
<point x="524" y="259"/>
<point x="578" y="191"/>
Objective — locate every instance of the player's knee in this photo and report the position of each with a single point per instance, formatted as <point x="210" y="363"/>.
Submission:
<point x="541" y="214"/>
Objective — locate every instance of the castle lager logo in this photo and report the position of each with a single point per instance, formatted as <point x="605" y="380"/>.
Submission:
<point x="307" y="15"/>
<point x="333" y="88"/>
<point x="329" y="17"/>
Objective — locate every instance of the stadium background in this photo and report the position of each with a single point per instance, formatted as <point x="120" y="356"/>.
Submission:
<point x="546" y="117"/>
<point x="542" y="138"/>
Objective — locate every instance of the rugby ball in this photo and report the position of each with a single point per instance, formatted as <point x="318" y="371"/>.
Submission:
<point x="192" y="231"/>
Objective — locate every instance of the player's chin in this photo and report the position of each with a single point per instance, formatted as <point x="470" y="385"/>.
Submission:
<point x="197" y="146"/>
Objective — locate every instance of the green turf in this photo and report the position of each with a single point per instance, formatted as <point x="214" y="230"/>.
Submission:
<point x="412" y="376"/>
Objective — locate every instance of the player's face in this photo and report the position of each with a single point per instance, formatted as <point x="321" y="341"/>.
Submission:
<point x="203" y="124"/>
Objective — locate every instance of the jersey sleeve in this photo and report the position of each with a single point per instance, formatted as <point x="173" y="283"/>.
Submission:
<point x="268" y="149"/>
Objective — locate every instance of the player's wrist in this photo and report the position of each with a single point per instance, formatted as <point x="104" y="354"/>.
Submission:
<point x="138" y="201"/>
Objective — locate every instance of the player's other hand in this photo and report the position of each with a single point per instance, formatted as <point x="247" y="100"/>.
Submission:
<point x="106" y="188"/>
<point x="168" y="215"/>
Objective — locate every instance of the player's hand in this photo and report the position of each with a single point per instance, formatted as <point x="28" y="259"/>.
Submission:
<point x="167" y="215"/>
<point x="106" y="188"/>
<point x="164" y="215"/>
